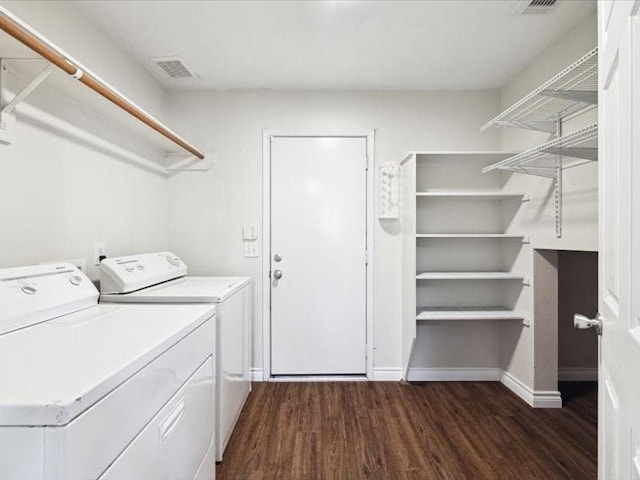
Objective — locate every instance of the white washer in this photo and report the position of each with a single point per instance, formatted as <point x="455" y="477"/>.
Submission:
<point x="101" y="391"/>
<point x="161" y="278"/>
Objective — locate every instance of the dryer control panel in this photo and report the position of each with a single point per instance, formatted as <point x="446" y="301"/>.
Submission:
<point x="133" y="272"/>
<point x="34" y="294"/>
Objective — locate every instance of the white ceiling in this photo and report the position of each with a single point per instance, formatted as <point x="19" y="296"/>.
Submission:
<point x="407" y="45"/>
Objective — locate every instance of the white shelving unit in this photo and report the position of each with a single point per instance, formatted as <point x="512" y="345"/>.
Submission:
<point x="572" y="91"/>
<point x="455" y="235"/>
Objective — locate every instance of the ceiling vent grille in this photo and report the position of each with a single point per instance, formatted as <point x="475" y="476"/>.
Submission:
<point x="174" y="67"/>
<point x="528" y="7"/>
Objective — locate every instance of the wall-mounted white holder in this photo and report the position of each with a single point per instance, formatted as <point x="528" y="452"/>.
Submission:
<point x="175" y="163"/>
<point x="389" y="201"/>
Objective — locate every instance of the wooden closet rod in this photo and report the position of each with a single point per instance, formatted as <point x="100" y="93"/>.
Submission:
<point x="21" y="32"/>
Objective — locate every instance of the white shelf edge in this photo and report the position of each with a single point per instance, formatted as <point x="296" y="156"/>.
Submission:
<point x="466" y="313"/>
<point x="478" y="195"/>
<point x="469" y="276"/>
<point x="469" y="235"/>
<point x="459" y="152"/>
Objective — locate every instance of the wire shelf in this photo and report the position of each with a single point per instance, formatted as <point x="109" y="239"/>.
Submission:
<point x="570" y="91"/>
<point x="564" y="152"/>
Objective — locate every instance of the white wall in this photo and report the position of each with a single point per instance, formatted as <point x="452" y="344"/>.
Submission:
<point x="62" y="185"/>
<point x="536" y="218"/>
<point x="209" y="209"/>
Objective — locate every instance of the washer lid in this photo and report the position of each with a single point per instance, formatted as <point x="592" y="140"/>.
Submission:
<point x="34" y="294"/>
<point x="184" y="290"/>
<point x="51" y="372"/>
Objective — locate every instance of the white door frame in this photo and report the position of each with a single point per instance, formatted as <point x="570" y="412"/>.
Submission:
<point x="267" y="136"/>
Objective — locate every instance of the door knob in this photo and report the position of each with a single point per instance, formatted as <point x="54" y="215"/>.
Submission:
<point x="582" y="322"/>
<point x="277" y="274"/>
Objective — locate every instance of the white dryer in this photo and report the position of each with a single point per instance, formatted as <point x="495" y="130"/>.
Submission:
<point x="93" y="391"/>
<point x="162" y="278"/>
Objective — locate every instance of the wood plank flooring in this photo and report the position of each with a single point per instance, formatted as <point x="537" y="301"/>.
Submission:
<point x="388" y="430"/>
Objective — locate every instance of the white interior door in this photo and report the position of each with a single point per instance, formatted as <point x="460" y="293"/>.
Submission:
<point x="318" y="255"/>
<point x="619" y="223"/>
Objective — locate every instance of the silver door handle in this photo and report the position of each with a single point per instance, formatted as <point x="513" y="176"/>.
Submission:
<point x="277" y="274"/>
<point x="582" y="322"/>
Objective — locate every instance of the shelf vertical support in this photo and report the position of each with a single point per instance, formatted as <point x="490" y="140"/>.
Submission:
<point x="557" y="194"/>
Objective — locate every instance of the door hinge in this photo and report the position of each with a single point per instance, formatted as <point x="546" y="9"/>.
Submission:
<point x="367" y="162"/>
<point x="366" y="257"/>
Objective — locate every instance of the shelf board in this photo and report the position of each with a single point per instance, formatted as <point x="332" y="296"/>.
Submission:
<point x="471" y="235"/>
<point x="568" y="151"/>
<point x="473" y="195"/>
<point x="466" y="313"/>
<point x="570" y="91"/>
<point x="469" y="276"/>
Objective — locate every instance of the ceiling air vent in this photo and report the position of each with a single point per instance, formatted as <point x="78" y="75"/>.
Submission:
<point x="528" y="7"/>
<point x="174" y="67"/>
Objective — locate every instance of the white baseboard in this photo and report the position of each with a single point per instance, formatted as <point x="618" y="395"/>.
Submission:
<point x="535" y="398"/>
<point x="387" y="374"/>
<point x="257" y="375"/>
<point x="319" y="378"/>
<point x="454" y="374"/>
<point x="576" y="374"/>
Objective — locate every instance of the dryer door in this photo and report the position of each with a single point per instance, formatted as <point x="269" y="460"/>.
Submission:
<point x="178" y="439"/>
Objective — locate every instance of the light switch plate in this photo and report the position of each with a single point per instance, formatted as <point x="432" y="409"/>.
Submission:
<point x="250" y="232"/>
<point x="250" y="249"/>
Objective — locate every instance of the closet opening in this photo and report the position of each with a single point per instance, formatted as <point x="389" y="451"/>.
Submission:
<point x="566" y="283"/>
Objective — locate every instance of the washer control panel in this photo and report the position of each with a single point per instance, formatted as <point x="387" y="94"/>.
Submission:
<point x="133" y="272"/>
<point x="34" y="294"/>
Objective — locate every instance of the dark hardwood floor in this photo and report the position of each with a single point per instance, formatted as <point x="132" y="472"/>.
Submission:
<point x="386" y="430"/>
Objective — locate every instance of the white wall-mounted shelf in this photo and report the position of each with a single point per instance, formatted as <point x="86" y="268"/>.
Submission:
<point x="33" y="60"/>
<point x="474" y="195"/>
<point x="469" y="276"/>
<point x="466" y="313"/>
<point x="545" y="160"/>
<point x="570" y="91"/>
<point x="524" y="238"/>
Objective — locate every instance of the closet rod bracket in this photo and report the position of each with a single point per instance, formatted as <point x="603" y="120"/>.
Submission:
<point x="7" y="115"/>
<point x="26" y="91"/>
<point x="179" y="162"/>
